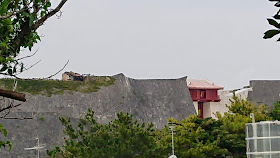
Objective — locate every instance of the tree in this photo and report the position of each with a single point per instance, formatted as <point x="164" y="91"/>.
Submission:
<point x="273" y="32"/>
<point x="275" y="113"/>
<point x="194" y="138"/>
<point x="19" y="21"/>
<point x="233" y="124"/>
<point x="209" y="138"/>
<point x="122" y="137"/>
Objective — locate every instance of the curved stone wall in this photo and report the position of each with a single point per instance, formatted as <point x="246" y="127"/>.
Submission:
<point x="153" y="100"/>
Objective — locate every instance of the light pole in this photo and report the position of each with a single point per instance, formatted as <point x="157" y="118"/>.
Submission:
<point x="38" y="147"/>
<point x="172" y="128"/>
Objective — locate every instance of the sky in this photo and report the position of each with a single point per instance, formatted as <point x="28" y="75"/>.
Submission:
<point x="218" y="40"/>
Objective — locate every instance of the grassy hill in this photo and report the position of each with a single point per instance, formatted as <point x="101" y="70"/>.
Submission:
<point x="49" y="87"/>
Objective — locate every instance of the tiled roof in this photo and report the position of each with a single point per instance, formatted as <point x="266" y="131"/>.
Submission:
<point x="202" y="84"/>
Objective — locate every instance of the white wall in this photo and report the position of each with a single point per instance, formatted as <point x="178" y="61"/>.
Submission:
<point x="195" y="106"/>
<point x="210" y="108"/>
<point x="217" y="107"/>
<point x="225" y="96"/>
<point x="207" y="109"/>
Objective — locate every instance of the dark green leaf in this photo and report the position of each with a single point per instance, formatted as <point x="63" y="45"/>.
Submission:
<point x="276" y="17"/>
<point x="48" y="4"/>
<point x="10" y="59"/>
<point x="3" y="6"/>
<point x="277" y="4"/>
<point x="29" y="48"/>
<point x="5" y="67"/>
<point x="10" y="145"/>
<point x="14" y="69"/>
<point x="10" y="72"/>
<point x="24" y="13"/>
<point x="5" y="132"/>
<point x="31" y="20"/>
<point x="273" y="22"/>
<point x="270" y="33"/>
<point x="21" y="67"/>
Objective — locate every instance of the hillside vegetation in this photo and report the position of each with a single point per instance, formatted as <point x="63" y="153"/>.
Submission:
<point x="49" y="87"/>
<point x="194" y="137"/>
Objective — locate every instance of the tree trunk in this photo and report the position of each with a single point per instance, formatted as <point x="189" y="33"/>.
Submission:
<point x="12" y="95"/>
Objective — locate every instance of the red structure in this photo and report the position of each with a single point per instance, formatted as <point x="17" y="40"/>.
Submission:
<point x="203" y="91"/>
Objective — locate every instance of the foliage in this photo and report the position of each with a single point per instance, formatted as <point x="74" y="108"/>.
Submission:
<point x="273" y="32"/>
<point x="233" y="124"/>
<point x="243" y="107"/>
<point x="19" y="21"/>
<point x="5" y="143"/>
<point x="49" y="87"/>
<point x="42" y="118"/>
<point x="206" y="138"/>
<point x="122" y="137"/>
<point x="275" y="113"/>
<point x="194" y="137"/>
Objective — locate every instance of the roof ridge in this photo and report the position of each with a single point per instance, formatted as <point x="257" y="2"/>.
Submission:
<point x="212" y="83"/>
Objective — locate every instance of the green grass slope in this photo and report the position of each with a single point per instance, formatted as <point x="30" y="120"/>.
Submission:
<point x="49" y="87"/>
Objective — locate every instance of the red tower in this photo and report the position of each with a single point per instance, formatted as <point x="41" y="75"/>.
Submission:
<point x="203" y="91"/>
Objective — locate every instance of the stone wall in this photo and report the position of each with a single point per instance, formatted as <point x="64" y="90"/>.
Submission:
<point x="265" y="92"/>
<point x="148" y="100"/>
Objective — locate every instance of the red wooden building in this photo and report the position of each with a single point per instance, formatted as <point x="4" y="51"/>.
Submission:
<point x="203" y="91"/>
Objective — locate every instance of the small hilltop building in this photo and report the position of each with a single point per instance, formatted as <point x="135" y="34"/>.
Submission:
<point x="72" y="76"/>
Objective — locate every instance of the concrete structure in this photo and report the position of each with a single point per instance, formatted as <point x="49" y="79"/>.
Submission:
<point x="148" y="100"/>
<point x="225" y="96"/>
<point x="264" y="92"/>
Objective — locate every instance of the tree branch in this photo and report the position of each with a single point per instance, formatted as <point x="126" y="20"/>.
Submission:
<point x="17" y="118"/>
<point x="28" y="56"/>
<point x="58" y="71"/>
<point x="26" y="29"/>
<point x="277" y="12"/>
<point x="35" y="8"/>
<point x="51" y="13"/>
<point x="26" y="69"/>
<point x="6" y="74"/>
<point x="8" y="107"/>
<point x="7" y="16"/>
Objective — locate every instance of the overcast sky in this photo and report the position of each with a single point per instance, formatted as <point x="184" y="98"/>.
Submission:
<point x="218" y="40"/>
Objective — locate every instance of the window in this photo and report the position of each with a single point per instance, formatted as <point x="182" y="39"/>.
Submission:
<point x="202" y="94"/>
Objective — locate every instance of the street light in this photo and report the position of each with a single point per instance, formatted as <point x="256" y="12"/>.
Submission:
<point x="172" y="128"/>
<point x="172" y="156"/>
<point x="38" y="147"/>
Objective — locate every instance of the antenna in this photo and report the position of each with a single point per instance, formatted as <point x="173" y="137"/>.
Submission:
<point x="38" y="147"/>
